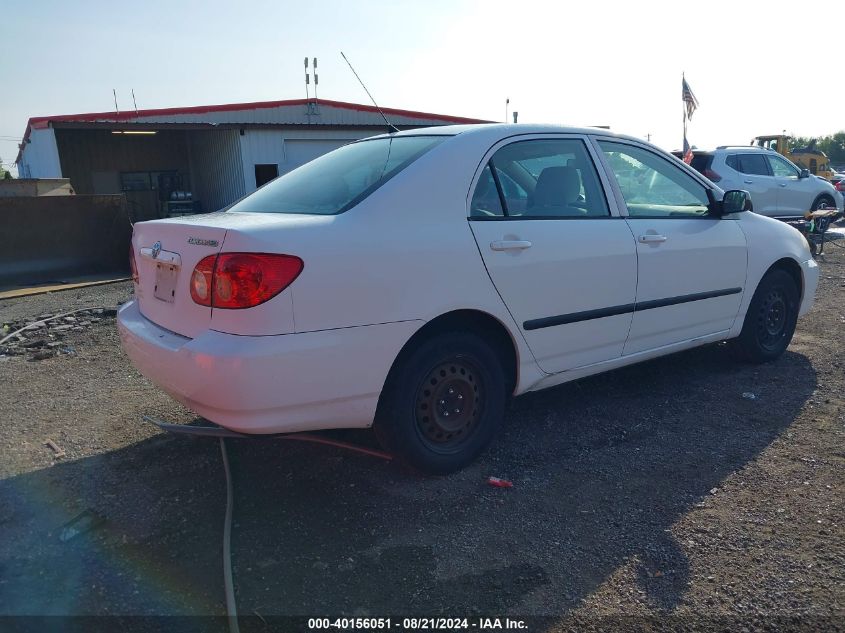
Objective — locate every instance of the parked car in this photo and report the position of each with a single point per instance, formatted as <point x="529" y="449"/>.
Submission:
<point x="415" y="281"/>
<point x="777" y="186"/>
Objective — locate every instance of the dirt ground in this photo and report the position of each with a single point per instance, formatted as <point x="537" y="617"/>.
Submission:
<point x="663" y="491"/>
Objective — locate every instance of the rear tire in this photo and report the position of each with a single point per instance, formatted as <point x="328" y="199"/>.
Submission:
<point x="770" y="320"/>
<point x="442" y="403"/>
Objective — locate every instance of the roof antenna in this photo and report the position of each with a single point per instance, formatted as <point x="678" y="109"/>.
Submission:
<point x="307" y="81"/>
<point x="135" y="103"/>
<point x="116" y="109"/>
<point x="389" y="124"/>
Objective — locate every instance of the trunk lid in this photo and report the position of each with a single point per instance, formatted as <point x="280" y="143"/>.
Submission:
<point x="166" y="252"/>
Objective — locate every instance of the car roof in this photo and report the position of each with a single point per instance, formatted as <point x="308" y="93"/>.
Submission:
<point x="747" y="148"/>
<point x="504" y="130"/>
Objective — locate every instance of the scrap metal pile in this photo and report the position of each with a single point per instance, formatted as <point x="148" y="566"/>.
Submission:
<point x="44" y="337"/>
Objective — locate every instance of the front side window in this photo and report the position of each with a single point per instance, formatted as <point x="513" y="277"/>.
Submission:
<point x="782" y="168"/>
<point x="538" y="179"/>
<point x="652" y="186"/>
<point x="339" y="180"/>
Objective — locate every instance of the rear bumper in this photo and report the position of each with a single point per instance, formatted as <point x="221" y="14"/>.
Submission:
<point x="810" y="275"/>
<point x="269" y="384"/>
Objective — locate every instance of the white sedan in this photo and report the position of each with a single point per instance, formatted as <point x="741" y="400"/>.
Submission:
<point x="415" y="281"/>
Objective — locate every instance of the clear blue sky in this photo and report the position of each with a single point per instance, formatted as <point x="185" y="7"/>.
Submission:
<point x="584" y="63"/>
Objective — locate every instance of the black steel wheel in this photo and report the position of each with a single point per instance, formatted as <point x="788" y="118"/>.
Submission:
<point x="443" y="402"/>
<point x="448" y="403"/>
<point x="770" y="321"/>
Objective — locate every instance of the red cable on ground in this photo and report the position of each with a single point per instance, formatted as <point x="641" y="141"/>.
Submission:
<point x="304" y="437"/>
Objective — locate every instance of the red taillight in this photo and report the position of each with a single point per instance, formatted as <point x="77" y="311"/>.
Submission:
<point x="712" y="175"/>
<point x="242" y="280"/>
<point x="133" y="265"/>
<point x="840" y="186"/>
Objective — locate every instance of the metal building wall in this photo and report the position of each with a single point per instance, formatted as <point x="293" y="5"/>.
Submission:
<point x="40" y="156"/>
<point x="216" y="168"/>
<point x="290" y="147"/>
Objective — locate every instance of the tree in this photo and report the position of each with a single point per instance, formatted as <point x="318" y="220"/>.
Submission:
<point x="833" y="145"/>
<point x="797" y="142"/>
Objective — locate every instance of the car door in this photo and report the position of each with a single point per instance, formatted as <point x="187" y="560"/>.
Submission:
<point x="560" y="256"/>
<point x="691" y="264"/>
<point x="795" y="194"/>
<point x="756" y="178"/>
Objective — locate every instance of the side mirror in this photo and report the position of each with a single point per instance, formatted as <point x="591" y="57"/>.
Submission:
<point x="805" y="173"/>
<point x="735" y="201"/>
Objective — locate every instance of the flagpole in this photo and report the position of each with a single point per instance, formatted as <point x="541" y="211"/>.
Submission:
<point x="684" y="106"/>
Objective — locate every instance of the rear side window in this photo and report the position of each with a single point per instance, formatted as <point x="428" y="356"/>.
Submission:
<point x="752" y="164"/>
<point x="339" y="180"/>
<point x="486" y="200"/>
<point x="539" y="179"/>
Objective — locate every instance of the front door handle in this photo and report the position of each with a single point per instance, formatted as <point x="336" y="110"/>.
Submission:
<point x="652" y="239"/>
<point x="748" y="182"/>
<point x="781" y="184"/>
<point x="510" y="245"/>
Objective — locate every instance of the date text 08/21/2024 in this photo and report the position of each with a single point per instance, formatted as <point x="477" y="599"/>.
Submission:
<point x="413" y="624"/>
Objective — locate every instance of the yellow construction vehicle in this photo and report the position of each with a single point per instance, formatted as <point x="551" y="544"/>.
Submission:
<point x="807" y="157"/>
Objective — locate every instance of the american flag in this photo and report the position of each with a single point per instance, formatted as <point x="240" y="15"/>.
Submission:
<point x="688" y="98"/>
<point x="687" y="152"/>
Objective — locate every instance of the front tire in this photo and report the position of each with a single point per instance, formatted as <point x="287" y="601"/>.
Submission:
<point x="823" y="202"/>
<point x="771" y="318"/>
<point x="443" y="403"/>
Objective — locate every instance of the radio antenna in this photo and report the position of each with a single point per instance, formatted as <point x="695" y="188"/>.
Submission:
<point x="389" y="124"/>
<point x="307" y="81"/>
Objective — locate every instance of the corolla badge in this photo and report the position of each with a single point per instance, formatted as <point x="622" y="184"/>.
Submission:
<point x="156" y="249"/>
<point x="198" y="241"/>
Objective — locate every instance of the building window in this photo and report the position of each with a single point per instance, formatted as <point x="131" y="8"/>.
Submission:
<point x="265" y="173"/>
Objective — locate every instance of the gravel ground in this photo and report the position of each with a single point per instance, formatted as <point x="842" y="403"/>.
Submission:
<point x="658" y="495"/>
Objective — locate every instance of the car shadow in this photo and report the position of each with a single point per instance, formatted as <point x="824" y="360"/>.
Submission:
<point x="602" y="469"/>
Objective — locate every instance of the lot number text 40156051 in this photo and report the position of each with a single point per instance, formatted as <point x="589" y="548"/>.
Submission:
<point x="416" y="624"/>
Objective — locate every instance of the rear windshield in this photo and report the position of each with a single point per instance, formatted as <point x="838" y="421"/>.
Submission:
<point x="339" y="180"/>
<point x="700" y="162"/>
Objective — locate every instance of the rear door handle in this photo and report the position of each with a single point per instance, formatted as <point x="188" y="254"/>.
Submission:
<point x="652" y="239"/>
<point x="781" y="184"/>
<point x="748" y="182"/>
<point x="510" y="245"/>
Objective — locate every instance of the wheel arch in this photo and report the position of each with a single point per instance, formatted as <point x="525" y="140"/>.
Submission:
<point x="793" y="268"/>
<point x="483" y="323"/>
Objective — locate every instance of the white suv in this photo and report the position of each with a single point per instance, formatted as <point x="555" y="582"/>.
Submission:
<point x="778" y="188"/>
